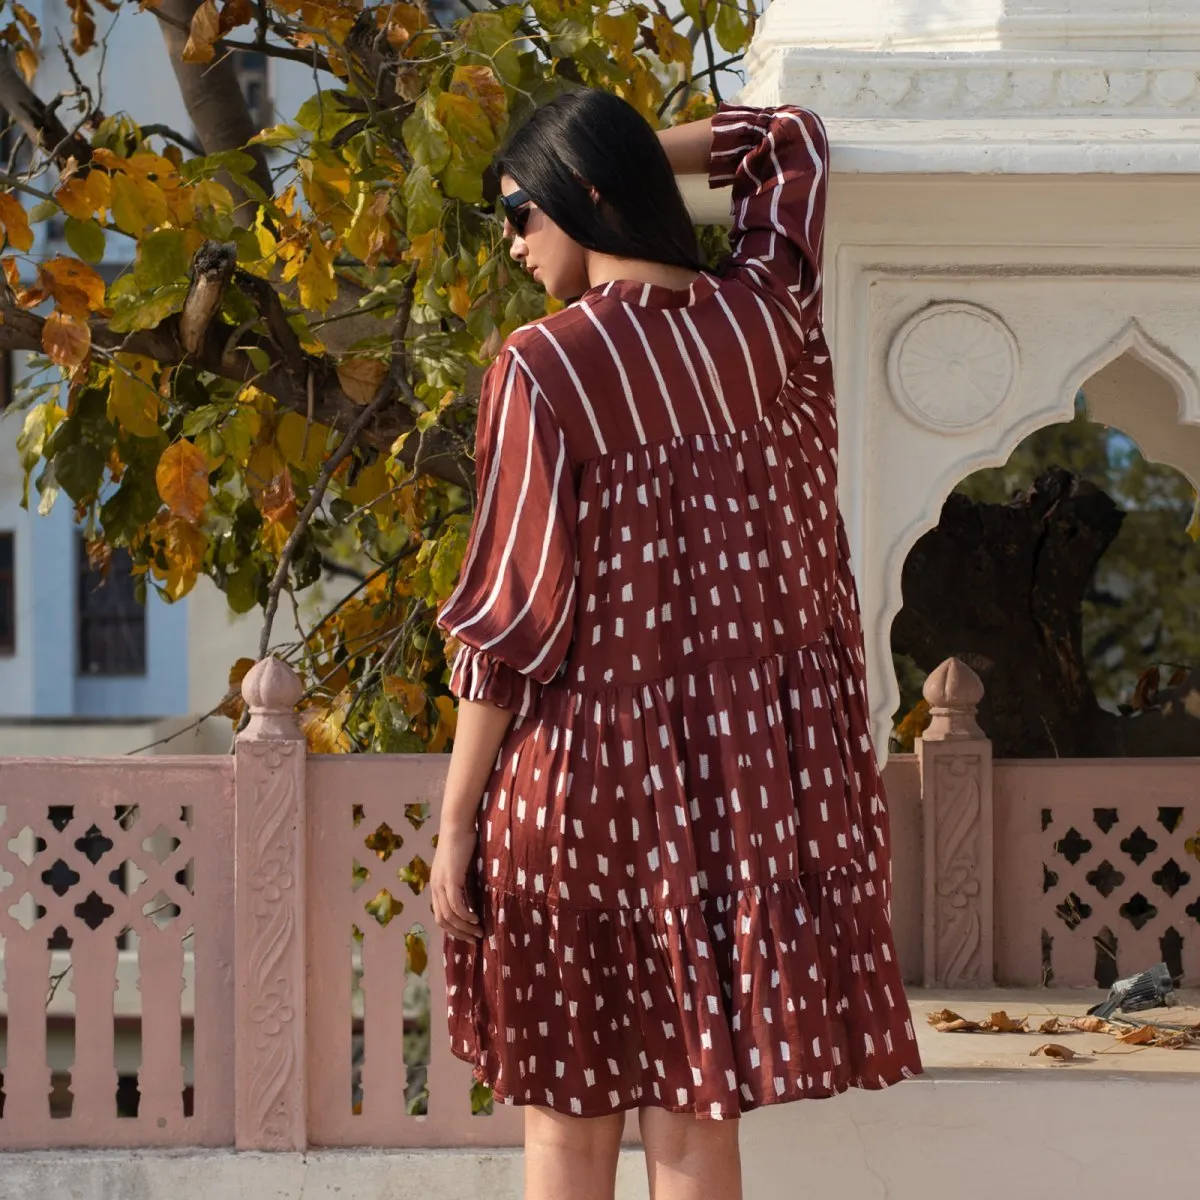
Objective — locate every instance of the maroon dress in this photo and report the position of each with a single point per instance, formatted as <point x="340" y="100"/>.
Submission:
<point x="684" y="855"/>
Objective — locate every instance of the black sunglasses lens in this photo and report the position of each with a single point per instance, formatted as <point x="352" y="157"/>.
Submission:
<point x="516" y="209"/>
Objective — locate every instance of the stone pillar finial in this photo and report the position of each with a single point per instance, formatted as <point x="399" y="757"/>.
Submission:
<point x="271" y="689"/>
<point x="956" y="802"/>
<point x="270" y="1109"/>
<point x="953" y="692"/>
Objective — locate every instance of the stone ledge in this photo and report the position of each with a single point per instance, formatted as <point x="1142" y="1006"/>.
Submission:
<point x="1045" y="84"/>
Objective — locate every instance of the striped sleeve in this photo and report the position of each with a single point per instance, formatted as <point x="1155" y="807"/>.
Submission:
<point x="778" y="163"/>
<point x="514" y="606"/>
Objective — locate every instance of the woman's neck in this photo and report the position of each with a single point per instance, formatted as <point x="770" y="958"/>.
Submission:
<point x="605" y="268"/>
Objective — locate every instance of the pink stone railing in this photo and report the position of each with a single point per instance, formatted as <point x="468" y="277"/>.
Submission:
<point x="253" y="962"/>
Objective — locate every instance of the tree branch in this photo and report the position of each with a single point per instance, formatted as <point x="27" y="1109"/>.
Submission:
<point x="212" y="269"/>
<point x="37" y="118"/>
<point x="165" y="131"/>
<point x="388" y="390"/>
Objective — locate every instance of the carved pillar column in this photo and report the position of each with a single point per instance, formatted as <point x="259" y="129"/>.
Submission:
<point x="956" y="798"/>
<point x="269" y="968"/>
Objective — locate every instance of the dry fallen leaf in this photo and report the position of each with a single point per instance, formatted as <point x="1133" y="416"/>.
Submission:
<point x="1089" y="1024"/>
<point x="942" y="1016"/>
<point x="1001" y="1022"/>
<point x="1141" y="1036"/>
<point x="1054" y="1025"/>
<point x="1054" y="1050"/>
<point x="958" y="1025"/>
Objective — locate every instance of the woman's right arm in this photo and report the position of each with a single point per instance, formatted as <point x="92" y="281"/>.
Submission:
<point x="777" y="161"/>
<point x="688" y="147"/>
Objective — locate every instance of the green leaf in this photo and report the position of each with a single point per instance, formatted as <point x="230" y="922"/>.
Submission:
<point x="490" y="35"/>
<point x="241" y="588"/>
<point x="145" y="312"/>
<point x="43" y="210"/>
<point x="161" y="259"/>
<point x="422" y="200"/>
<point x="133" y="505"/>
<point x="236" y="162"/>
<point x="203" y="418"/>
<point x="78" y="470"/>
<point x="40" y="423"/>
<point x="425" y="136"/>
<point x="320" y="115"/>
<point x="472" y="145"/>
<point x="86" y="238"/>
<point x="731" y="27"/>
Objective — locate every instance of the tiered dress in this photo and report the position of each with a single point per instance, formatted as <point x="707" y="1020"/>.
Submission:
<point x="684" y="856"/>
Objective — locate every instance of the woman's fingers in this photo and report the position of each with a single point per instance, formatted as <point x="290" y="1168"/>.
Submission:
<point x="454" y="916"/>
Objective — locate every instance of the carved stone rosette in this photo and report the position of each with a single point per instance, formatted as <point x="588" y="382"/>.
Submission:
<point x="956" y="798"/>
<point x="270" y="943"/>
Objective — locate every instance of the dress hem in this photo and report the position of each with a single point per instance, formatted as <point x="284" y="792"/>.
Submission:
<point x="788" y="1097"/>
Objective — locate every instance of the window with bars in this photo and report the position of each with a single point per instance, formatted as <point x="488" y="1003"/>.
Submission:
<point x="111" y="619"/>
<point x="8" y="600"/>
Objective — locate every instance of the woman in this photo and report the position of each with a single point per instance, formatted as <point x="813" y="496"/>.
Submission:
<point x="663" y="855"/>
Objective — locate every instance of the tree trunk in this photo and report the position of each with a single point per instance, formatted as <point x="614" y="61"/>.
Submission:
<point x="213" y="99"/>
<point x="1002" y="587"/>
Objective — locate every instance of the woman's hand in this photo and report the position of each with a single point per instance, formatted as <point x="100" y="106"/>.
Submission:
<point x="448" y="884"/>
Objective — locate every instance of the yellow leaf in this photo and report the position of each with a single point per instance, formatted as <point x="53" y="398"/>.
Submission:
<point x="481" y="85"/>
<point x="27" y="60"/>
<point x="183" y="546"/>
<point x="265" y="463"/>
<point x="447" y="724"/>
<point x="182" y="478"/>
<point x="424" y="246"/>
<point x="360" y="377"/>
<point x="619" y="31"/>
<point x="410" y="696"/>
<point x="85" y="196"/>
<point x="372" y="483"/>
<point x="16" y="222"/>
<point x="318" y="288"/>
<point x="418" y="954"/>
<point x="300" y="443"/>
<point x="76" y="288"/>
<point x="128" y="203"/>
<point x="278" y="502"/>
<point x="460" y="297"/>
<point x="371" y="229"/>
<point x="132" y="399"/>
<point x="66" y="340"/>
<point x="324" y="730"/>
<point x="206" y="28"/>
<point x="673" y="47"/>
<point x="208" y="193"/>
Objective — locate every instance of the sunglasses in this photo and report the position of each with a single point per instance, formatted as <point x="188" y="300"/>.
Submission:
<point x="517" y="206"/>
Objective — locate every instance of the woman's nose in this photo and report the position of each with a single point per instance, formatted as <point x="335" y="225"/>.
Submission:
<point x="517" y="249"/>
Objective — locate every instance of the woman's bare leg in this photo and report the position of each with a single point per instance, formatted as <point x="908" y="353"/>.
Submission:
<point x="691" y="1159"/>
<point x="571" y="1158"/>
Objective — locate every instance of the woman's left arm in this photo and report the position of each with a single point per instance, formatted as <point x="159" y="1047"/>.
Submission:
<point x="477" y="739"/>
<point x="513" y="609"/>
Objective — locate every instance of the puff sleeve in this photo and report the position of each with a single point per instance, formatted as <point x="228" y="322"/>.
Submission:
<point x="514" y="606"/>
<point x="777" y="160"/>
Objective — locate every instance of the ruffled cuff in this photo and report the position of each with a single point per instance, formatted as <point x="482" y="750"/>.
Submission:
<point x="735" y="132"/>
<point x="477" y="675"/>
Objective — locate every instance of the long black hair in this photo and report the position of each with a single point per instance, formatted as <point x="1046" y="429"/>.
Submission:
<point x="591" y="139"/>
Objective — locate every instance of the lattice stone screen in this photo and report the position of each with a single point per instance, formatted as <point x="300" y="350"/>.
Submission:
<point x="116" y="942"/>
<point x="1097" y="870"/>
<point x="380" y="1067"/>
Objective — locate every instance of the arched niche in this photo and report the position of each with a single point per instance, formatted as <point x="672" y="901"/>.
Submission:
<point x="1132" y="383"/>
